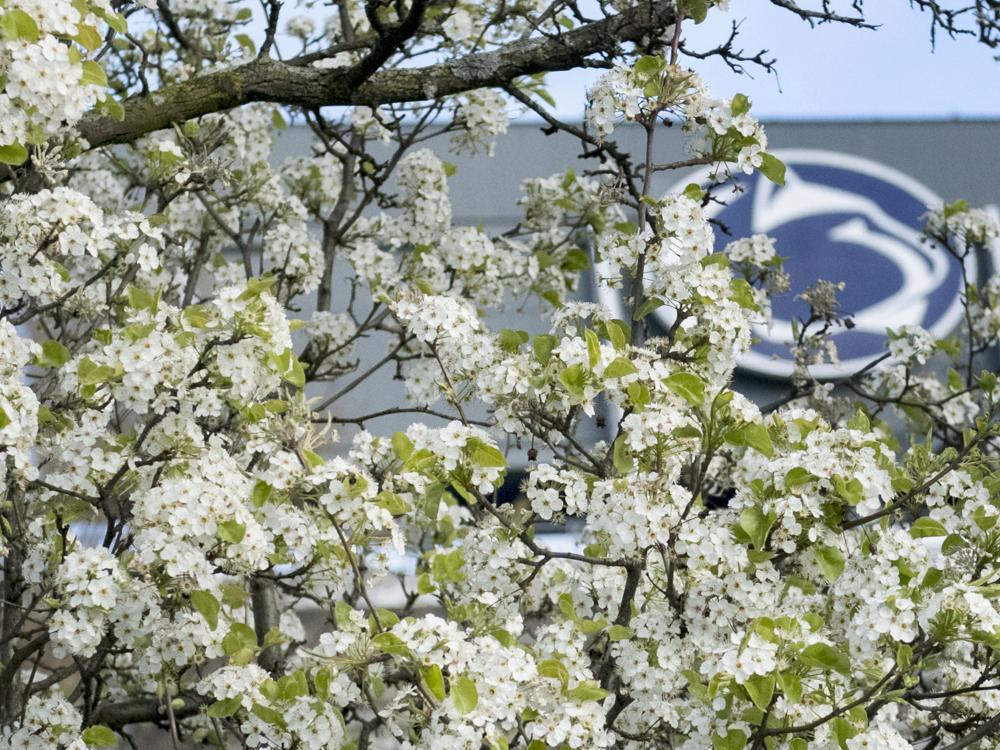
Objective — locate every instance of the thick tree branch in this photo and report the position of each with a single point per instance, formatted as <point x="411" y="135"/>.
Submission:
<point x="289" y="83"/>
<point x="265" y="618"/>
<point x="984" y="729"/>
<point x="144" y="710"/>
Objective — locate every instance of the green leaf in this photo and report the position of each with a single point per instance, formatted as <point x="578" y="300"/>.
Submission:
<point x="544" y="96"/>
<point x="93" y="74"/>
<point x="277" y="121"/>
<point x="757" y="525"/>
<point x="313" y="460"/>
<point x="393" y="503"/>
<point x="593" y="348"/>
<point x="19" y="25"/>
<point x="830" y="560"/>
<point x="269" y="715"/>
<point x="89" y="372"/>
<point x="390" y="643"/>
<point x="621" y="456"/>
<point x="825" y="657"/>
<point x="240" y="644"/>
<point x="791" y="685"/>
<point x="955" y="381"/>
<point x="773" y="168"/>
<point x="505" y="638"/>
<point x="295" y="374"/>
<point x="4" y="418"/>
<point x="688" y="386"/>
<point x="245" y="41"/>
<point x="952" y="543"/>
<point x="261" y="493"/>
<point x="142" y="299"/>
<point x="207" y="606"/>
<point x="13" y="154"/>
<point x="510" y="340"/>
<point x="322" y="680"/>
<point x="734" y="740"/>
<point x="54" y="354"/>
<point x="693" y="191"/>
<point x="760" y="688"/>
<point x="620" y="633"/>
<point x="740" y="105"/>
<point x="797" y="477"/>
<point x="232" y="531"/>
<point x="619" y="334"/>
<point x="987" y="381"/>
<point x="292" y="686"/>
<point x="904" y="655"/>
<point x="848" y="489"/>
<point x="651" y="304"/>
<point x="742" y="294"/>
<point x="484" y="455"/>
<point x="88" y="37"/>
<point x="99" y="735"/>
<point x="638" y="393"/>
<point x="138" y="331"/>
<point x="697" y="11"/>
<point x="860" y="421"/>
<point x="648" y="65"/>
<point x="115" y="20"/>
<point x="234" y="595"/>
<point x="554" y="669"/>
<point x="402" y="446"/>
<point x="462" y="490"/>
<point x="575" y="259"/>
<point x="447" y="566"/>
<point x="544" y="344"/>
<point x="574" y="378"/>
<point x="197" y="316"/>
<point x="257" y="286"/>
<point x="843" y="730"/>
<point x="752" y="435"/>
<point x="225" y="708"/>
<point x="434" y="680"/>
<point x="464" y="694"/>
<point x="620" y="368"/>
<point x="927" y="527"/>
<point x="586" y="691"/>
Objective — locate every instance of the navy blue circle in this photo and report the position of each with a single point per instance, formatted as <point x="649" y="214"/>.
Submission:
<point x="812" y="254"/>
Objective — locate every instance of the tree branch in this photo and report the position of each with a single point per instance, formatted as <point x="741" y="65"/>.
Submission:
<point x="264" y="596"/>
<point x="289" y="83"/>
<point x="144" y="710"/>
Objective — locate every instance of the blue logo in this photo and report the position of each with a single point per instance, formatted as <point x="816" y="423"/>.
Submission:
<point x="851" y="220"/>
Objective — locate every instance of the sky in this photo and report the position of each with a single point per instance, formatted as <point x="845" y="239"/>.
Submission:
<point x="835" y="71"/>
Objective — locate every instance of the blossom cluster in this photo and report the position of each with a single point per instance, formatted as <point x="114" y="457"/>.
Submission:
<point x="206" y="525"/>
<point x="48" y="82"/>
<point x="720" y="130"/>
<point x="53" y="241"/>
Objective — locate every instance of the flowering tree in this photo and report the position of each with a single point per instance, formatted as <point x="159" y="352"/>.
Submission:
<point x="178" y="322"/>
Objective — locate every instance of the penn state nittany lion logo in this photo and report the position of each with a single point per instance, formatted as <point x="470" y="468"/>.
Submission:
<point x="851" y="220"/>
<point x="848" y="219"/>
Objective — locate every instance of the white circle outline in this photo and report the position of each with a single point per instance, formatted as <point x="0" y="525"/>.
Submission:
<point x="762" y="364"/>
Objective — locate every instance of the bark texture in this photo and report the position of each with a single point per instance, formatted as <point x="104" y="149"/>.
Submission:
<point x="294" y="83"/>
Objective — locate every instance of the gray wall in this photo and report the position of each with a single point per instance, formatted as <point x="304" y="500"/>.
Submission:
<point x="955" y="159"/>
